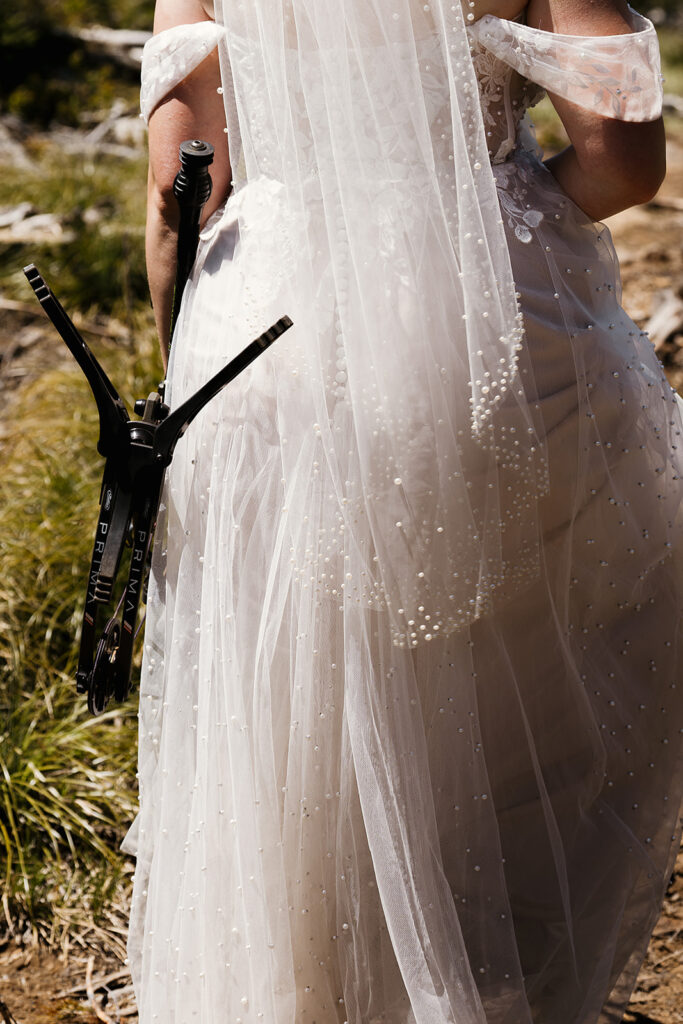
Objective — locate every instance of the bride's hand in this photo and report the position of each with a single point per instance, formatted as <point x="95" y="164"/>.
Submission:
<point x="194" y="109"/>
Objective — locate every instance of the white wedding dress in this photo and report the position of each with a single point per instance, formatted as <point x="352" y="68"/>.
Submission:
<point x="340" y="821"/>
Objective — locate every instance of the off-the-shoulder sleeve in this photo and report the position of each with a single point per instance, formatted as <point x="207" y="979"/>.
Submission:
<point x="615" y="76"/>
<point x="170" y="56"/>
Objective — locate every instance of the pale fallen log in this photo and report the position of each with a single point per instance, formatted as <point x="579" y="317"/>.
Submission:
<point x="666" y="203"/>
<point x="12" y="151"/>
<point x="667" y="320"/>
<point x="38" y="228"/>
<point x="122" y="45"/>
<point x="76" y="143"/>
<point x="111" y="329"/>
<point x="119" y="126"/>
<point x="10" y="215"/>
<point x="673" y="104"/>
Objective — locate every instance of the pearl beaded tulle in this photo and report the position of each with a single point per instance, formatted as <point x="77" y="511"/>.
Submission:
<point x="410" y="707"/>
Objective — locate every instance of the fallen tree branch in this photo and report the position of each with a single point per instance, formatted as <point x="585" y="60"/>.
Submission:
<point x="113" y="329"/>
<point x="99" y="1011"/>
<point x="101" y="983"/>
<point x="121" y="45"/>
<point x="667" y="320"/>
<point x="665" y="203"/>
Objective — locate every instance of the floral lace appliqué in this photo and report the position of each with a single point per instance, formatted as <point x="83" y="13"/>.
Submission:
<point x="514" y="189"/>
<point x="505" y="97"/>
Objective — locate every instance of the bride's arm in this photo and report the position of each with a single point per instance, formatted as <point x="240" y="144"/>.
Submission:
<point x="610" y="164"/>
<point x="193" y="109"/>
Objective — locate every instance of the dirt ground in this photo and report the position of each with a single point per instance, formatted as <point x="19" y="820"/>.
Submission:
<point x="39" y="987"/>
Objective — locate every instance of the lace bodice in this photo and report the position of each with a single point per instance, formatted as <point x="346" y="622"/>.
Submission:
<point x="619" y="76"/>
<point x="505" y="97"/>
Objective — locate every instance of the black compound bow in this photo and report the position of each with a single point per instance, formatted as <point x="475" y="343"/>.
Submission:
<point x="136" y="454"/>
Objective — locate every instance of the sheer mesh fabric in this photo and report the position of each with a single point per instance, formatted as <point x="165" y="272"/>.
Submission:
<point x="340" y="820"/>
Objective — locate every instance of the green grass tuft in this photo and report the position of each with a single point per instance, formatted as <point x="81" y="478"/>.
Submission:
<point x="67" y="781"/>
<point x="100" y="202"/>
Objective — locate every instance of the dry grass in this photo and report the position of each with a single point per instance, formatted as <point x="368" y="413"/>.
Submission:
<point x="67" y="789"/>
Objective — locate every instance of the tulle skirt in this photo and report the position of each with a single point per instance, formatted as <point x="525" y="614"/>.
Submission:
<point x="334" y="829"/>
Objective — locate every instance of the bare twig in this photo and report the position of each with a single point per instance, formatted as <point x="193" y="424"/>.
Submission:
<point x="675" y="955"/>
<point x="8" y="916"/>
<point x="101" y="983"/>
<point x="100" y="1013"/>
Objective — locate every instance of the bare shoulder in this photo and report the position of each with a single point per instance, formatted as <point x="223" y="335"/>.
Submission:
<point x="580" y="17"/>
<point x="169" y="13"/>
